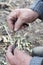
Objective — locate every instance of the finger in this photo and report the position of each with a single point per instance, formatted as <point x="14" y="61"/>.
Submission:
<point x="18" y="24"/>
<point x="9" y="53"/>
<point x="10" y="48"/>
<point x="10" y="19"/>
<point x="18" y="52"/>
<point x="7" y="61"/>
<point x="8" y="58"/>
<point x="12" y="59"/>
<point x="14" y="14"/>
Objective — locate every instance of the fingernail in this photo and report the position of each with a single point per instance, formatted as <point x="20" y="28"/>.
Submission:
<point x="15" y="29"/>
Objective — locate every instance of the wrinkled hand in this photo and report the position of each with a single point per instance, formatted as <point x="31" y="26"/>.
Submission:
<point x="19" y="57"/>
<point x="19" y="16"/>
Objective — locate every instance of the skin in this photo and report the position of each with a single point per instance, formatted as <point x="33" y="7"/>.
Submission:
<point x="22" y="16"/>
<point x="18" y="58"/>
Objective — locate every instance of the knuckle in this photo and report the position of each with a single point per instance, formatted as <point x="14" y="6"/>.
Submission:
<point x="10" y="15"/>
<point x="9" y="18"/>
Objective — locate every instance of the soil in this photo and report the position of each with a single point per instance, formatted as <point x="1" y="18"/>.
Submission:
<point x="29" y="37"/>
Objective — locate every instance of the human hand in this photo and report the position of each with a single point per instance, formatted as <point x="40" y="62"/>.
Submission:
<point x="19" y="57"/>
<point x="20" y="16"/>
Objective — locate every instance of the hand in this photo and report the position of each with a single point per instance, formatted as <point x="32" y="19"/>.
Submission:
<point x="19" y="57"/>
<point x="19" y="16"/>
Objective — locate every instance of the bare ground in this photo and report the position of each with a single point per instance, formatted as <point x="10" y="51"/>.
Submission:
<point x="28" y="38"/>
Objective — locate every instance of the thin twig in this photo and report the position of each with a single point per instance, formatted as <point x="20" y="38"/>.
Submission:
<point x="5" y="3"/>
<point x="8" y="34"/>
<point x="10" y="1"/>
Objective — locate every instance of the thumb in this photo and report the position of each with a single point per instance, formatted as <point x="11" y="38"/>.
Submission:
<point x="18" y="24"/>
